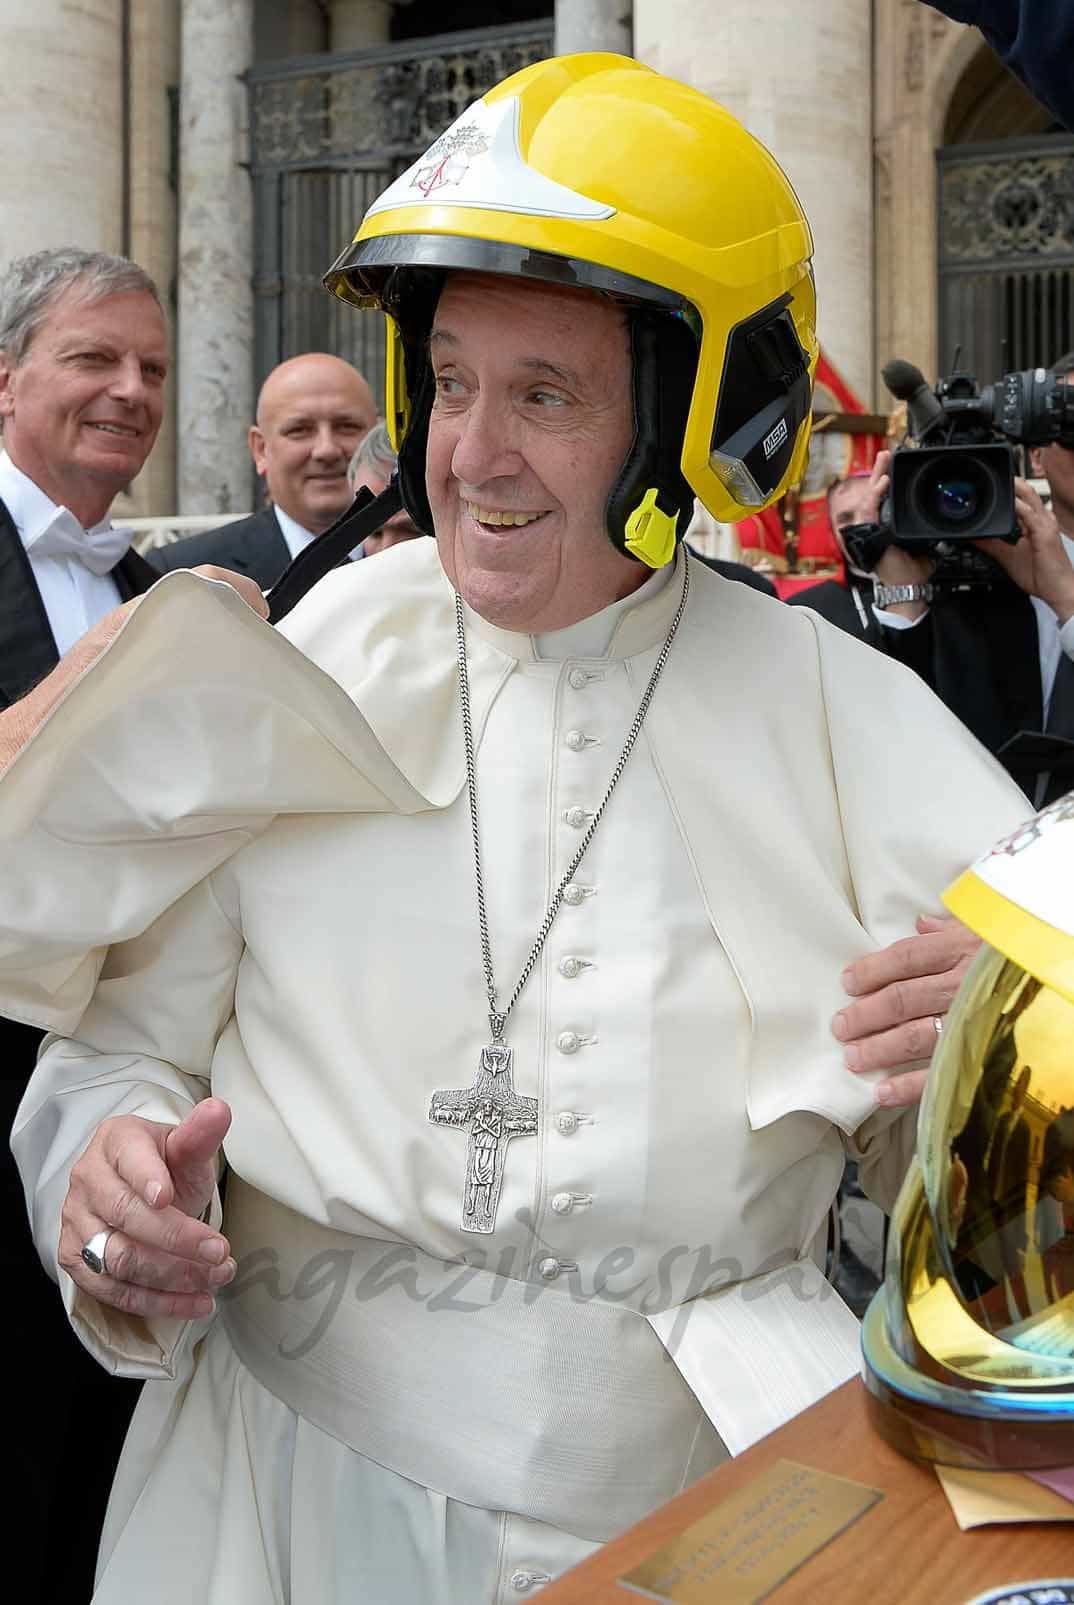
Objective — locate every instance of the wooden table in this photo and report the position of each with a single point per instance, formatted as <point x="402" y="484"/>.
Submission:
<point x="907" y="1550"/>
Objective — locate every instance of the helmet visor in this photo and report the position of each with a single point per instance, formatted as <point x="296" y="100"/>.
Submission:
<point x="998" y="1160"/>
<point x="362" y="274"/>
<point x="976" y="1319"/>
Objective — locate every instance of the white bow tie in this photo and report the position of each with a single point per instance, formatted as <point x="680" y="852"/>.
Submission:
<point x="99" y="549"/>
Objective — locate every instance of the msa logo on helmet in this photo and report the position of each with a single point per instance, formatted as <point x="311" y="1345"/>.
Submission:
<point x="773" y="441"/>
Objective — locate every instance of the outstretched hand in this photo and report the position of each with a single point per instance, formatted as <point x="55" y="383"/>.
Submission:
<point x="901" y="996"/>
<point x="146" y="1184"/>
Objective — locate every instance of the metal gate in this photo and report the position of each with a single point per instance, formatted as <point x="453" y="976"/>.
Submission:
<point x="328" y="133"/>
<point x="1006" y="236"/>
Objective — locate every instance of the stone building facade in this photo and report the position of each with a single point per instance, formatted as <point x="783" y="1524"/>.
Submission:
<point x="940" y="194"/>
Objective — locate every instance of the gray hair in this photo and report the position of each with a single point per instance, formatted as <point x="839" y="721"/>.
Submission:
<point x="30" y="285"/>
<point x="376" y="452"/>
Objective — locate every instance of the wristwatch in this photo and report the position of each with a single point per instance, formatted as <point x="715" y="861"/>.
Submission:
<point x="888" y="595"/>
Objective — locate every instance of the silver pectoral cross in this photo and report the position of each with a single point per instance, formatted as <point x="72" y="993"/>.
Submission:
<point x="495" y="1113"/>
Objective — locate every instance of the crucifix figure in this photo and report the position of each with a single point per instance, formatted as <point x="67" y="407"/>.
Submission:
<point x="495" y="1113"/>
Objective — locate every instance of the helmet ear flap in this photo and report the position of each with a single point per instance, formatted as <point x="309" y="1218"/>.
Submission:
<point x="410" y="387"/>
<point x="650" y="504"/>
<point x="413" y="446"/>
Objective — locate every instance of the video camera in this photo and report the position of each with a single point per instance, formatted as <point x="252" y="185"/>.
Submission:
<point x="955" y="482"/>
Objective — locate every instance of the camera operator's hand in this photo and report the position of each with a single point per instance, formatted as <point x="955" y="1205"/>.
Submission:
<point x="895" y="566"/>
<point x="1038" y="564"/>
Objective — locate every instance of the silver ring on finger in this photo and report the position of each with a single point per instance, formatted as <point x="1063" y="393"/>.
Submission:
<point x="938" y="1023"/>
<point x="94" y="1252"/>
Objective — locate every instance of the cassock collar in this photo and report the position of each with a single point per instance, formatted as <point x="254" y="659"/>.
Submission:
<point x="634" y="624"/>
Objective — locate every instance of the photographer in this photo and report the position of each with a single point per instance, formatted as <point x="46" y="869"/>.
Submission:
<point x="997" y="649"/>
<point x="852" y="606"/>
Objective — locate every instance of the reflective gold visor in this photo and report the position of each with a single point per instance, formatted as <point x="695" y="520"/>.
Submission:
<point x="972" y="1337"/>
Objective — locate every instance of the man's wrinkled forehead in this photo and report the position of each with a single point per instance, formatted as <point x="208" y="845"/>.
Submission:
<point x="80" y="310"/>
<point x="545" y="324"/>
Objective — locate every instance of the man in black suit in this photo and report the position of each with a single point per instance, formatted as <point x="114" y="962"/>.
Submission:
<point x="312" y="414"/>
<point x="83" y="359"/>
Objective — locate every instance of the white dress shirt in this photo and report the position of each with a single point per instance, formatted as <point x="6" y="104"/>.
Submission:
<point x="75" y="591"/>
<point x="296" y="536"/>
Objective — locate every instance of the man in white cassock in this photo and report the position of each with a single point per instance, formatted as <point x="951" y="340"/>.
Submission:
<point x="540" y="816"/>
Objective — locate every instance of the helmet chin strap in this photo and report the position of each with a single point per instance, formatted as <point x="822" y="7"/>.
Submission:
<point x="366" y="514"/>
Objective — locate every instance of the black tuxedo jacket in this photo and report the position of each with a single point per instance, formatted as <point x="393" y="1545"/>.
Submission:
<point x="980" y="653"/>
<point x="27" y="646"/>
<point x="253" y="546"/>
<point x="66" y="1416"/>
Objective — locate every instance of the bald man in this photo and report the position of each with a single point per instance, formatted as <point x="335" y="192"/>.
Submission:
<point x="312" y="414"/>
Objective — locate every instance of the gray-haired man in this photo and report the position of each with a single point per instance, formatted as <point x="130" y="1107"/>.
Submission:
<point x="83" y="360"/>
<point x="373" y="465"/>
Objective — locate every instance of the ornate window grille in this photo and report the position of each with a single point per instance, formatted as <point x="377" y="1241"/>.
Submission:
<point x="327" y="134"/>
<point x="1006" y="231"/>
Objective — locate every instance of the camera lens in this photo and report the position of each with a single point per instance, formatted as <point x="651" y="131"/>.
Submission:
<point x="957" y="499"/>
<point x="954" y="495"/>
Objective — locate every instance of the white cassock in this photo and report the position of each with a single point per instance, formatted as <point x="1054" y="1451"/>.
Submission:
<point x="390" y="1408"/>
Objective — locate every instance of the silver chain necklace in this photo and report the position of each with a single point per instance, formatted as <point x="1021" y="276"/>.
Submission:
<point x="493" y="1110"/>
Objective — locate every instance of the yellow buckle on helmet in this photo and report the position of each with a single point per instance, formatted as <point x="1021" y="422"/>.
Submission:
<point x="650" y="532"/>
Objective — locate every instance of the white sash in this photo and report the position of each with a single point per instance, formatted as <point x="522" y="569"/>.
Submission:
<point x="521" y="1396"/>
<point x="503" y="1394"/>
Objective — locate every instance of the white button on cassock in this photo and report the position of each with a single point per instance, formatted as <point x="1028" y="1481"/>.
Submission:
<point x="576" y="817"/>
<point x="567" y="1122"/>
<point x="568" y="1042"/>
<point x="575" y="740"/>
<point x="549" y="1269"/>
<point x="578" y="679"/>
<point x="573" y="894"/>
<point x="522" y="1582"/>
<point x="570" y="967"/>
<point x="562" y="1203"/>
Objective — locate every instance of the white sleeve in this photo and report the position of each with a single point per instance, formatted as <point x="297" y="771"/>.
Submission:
<point x="193" y="729"/>
<point x="897" y="621"/>
<point x="144" y="1046"/>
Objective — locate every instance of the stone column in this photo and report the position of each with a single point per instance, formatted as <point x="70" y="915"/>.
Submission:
<point x="920" y="57"/>
<point x="360" y="24"/>
<point x="154" y="69"/>
<point x="808" y="95"/>
<point x="63" y="156"/>
<point x="594" y="25"/>
<point x="215" y="260"/>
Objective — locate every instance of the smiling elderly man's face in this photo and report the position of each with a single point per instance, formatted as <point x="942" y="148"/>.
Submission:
<point x="83" y="407"/>
<point x="531" y="424"/>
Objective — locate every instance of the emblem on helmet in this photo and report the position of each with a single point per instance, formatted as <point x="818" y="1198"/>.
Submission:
<point x="448" y="160"/>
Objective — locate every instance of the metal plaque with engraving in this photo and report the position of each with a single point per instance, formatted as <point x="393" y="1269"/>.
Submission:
<point x="748" y="1544"/>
